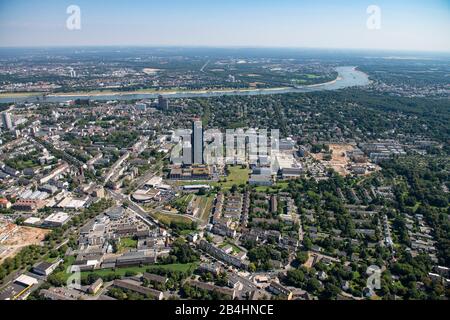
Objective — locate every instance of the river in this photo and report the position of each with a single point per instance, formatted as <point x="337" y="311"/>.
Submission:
<point x="348" y="76"/>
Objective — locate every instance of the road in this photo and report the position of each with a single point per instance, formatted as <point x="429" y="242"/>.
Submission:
<point x="115" y="166"/>
<point x="204" y="66"/>
<point x="138" y="210"/>
<point x="61" y="244"/>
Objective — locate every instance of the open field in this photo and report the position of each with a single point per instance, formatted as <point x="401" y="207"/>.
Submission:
<point x="13" y="238"/>
<point x="19" y="94"/>
<point x="127" y="243"/>
<point x="168" y="219"/>
<point x="184" y="200"/>
<point x="205" y="207"/>
<point x="122" y="271"/>
<point x="236" y="176"/>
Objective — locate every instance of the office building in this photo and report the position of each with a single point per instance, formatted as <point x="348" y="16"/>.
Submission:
<point x="197" y="142"/>
<point x="187" y="153"/>
<point x="163" y="103"/>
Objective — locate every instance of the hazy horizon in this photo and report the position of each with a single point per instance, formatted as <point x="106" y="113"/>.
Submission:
<point x="411" y="26"/>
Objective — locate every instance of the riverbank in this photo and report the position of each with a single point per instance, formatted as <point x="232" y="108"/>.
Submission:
<point x="159" y="92"/>
<point x="347" y="77"/>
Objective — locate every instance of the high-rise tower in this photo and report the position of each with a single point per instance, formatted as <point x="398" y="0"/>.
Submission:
<point x="197" y="142"/>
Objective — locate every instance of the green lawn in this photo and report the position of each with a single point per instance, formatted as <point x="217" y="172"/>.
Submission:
<point x="127" y="243"/>
<point x="68" y="261"/>
<point x="185" y="232"/>
<point x="236" y="176"/>
<point x="206" y="204"/>
<point x="19" y="94"/>
<point x="168" y="219"/>
<point x="184" y="200"/>
<point x="312" y="76"/>
<point x="51" y="260"/>
<point x="416" y="206"/>
<point x="122" y="271"/>
<point x="236" y="249"/>
<point x="23" y="164"/>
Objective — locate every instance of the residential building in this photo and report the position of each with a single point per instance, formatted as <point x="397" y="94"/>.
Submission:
<point x="279" y="289"/>
<point x="136" y="286"/>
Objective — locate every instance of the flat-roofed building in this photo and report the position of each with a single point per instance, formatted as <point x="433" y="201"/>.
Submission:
<point x="26" y="280"/>
<point x="291" y="173"/>
<point x="44" y="268"/>
<point x="135" y="259"/>
<point x="30" y="205"/>
<point x="260" y="180"/>
<point x="32" y="221"/>
<point x="56" y="219"/>
<point x="187" y="153"/>
<point x="197" y="142"/>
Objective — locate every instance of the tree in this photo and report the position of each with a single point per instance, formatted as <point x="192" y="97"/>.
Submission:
<point x="307" y="243"/>
<point x="313" y="285"/>
<point x="183" y="253"/>
<point x="296" y="278"/>
<point x="330" y="292"/>
<point x="302" y="257"/>
<point x="56" y="279"/>
<point x="92" y="277"/>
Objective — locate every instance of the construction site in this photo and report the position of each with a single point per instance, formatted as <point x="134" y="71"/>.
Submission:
<point x="346" y="159"/>
<point x="13" y="238"/>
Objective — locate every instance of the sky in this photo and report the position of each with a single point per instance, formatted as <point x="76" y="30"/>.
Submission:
<point x="404" y="24"/>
